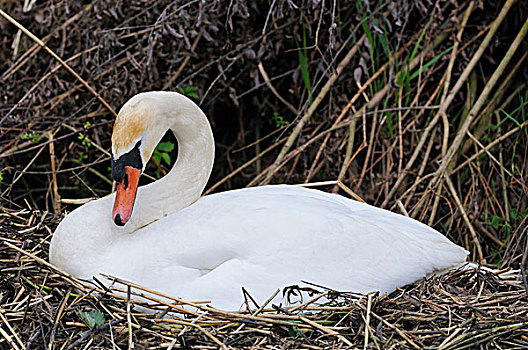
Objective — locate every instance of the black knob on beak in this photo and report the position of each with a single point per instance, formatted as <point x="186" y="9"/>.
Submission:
<point x="118" y="221"/>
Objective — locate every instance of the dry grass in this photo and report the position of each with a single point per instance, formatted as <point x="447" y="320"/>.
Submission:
<point x="44" y="308"/>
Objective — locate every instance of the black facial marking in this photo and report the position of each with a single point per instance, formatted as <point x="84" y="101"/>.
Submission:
<point x="131" y="158"/>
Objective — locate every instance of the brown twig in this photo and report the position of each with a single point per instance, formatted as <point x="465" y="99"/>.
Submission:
<point x="55" y="186"/>
<point x="272" y="89"/>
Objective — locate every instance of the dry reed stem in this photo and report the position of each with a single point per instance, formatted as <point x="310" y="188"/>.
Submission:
<point x="349" y="158"/>
<point x="243" y="166"/>
<point x="367" y="322"/>
<point x="474" y="235"/>
<point x="421" y="170"/>
<point x="338" y="184"/>
<point x="488" y="147"/>
<point x="326" y="330"/>
<point x="55" y="187"/>
<point x="369" y="145"/>
<point x="273" y="90"/>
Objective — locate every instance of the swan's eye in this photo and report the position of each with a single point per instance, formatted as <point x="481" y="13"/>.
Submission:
<point x="118" y="169"/>
<point x="132" y="158"/>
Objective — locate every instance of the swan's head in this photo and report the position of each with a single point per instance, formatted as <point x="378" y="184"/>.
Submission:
<point x="139" y="126"/>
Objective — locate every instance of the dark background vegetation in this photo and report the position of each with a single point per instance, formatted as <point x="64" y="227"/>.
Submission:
<point x="211" y="51"/>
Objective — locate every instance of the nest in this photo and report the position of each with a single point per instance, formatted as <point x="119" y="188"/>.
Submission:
<point x="43" y="307"/>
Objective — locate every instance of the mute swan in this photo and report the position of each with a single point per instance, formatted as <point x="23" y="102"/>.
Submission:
<point x="261" y="238"/>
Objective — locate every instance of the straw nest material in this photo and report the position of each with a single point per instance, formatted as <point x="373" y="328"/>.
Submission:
<point x="41" y="307"/>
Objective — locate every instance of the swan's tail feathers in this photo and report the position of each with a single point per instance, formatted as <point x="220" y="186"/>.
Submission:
<point x="444" y="254"/>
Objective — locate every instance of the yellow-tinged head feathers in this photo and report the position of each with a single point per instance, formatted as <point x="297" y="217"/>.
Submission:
<point x="143" y="117"/>
<point x="129" y="126"/>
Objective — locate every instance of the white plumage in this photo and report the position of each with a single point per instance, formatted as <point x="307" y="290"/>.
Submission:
<point x="260" y="238"/>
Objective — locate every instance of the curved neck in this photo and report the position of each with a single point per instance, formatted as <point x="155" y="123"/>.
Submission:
<point x="184" y="183"/>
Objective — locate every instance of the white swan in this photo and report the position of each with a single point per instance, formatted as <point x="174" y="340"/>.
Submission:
<point x="261" y="238"/>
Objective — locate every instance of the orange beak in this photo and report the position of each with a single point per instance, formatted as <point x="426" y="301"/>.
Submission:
<point x="125" y="196"/>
